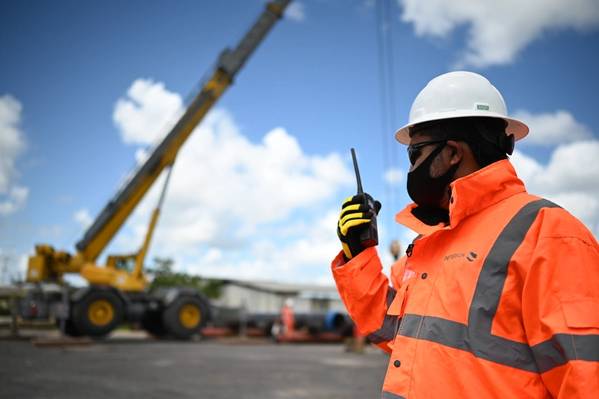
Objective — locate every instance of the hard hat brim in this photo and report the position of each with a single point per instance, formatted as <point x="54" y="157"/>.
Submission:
<point x="514" y="127"/>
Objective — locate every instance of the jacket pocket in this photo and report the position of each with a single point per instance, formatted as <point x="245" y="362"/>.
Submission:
<point x="398" y="304"/>
<point x="581" y="312"/>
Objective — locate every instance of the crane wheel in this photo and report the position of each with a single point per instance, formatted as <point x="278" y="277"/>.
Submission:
<point x="97" y="313"/>
<point x="185" y="316"/>
<point x="69" y="328"/>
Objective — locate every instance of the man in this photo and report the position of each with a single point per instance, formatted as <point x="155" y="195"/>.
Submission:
<point x="498" y="296"/>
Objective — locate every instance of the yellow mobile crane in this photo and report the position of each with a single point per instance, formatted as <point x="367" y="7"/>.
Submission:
<point x="117" y="293"/>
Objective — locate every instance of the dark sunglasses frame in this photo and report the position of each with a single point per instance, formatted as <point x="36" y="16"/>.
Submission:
<point x="414" y="150"/>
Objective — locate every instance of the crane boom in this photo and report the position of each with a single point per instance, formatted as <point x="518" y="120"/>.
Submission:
<point x="116" y="212"/>
<point x="118" y="291"/>
<point x="47" y="264"/>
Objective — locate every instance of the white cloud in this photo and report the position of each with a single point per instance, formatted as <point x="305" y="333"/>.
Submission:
<point x="304" y="258"/>
<point x="22" y="267"/>
<point x="147" y="113"/>
<point x="50" y="233"/>
<point x="229" y="196"/>
<point x="548" y="129"/>
<point x="498" y="30"/>
<point x="11" y="139"/>
<point x="15" y="200"/>
<point x="393" y="176"/>
<point x="249" y="183"/>
<point x="141" y="155"/>
<point x="296" y="12"/>
<point x="13" y="267"/>
<point x="570" y="179"/>
<point x="83" y="218"/>
<point x="12" y="145"/>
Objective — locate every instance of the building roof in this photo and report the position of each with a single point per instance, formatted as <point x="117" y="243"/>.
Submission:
<point x="300" y="290"/>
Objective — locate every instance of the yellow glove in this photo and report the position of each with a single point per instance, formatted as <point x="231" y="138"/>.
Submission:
<point x="357" y="224"/>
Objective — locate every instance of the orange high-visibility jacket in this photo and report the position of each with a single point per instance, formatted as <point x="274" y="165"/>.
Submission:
<point x="501" y="303"/>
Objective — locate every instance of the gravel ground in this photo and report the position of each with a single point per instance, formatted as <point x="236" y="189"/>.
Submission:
<point x="141" y="368"/>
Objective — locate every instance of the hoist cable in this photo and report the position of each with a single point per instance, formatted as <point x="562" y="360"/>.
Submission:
<point x="379" y="26"/>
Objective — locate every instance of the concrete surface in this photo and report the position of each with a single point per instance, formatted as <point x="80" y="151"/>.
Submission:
<point x="141" y="368"/>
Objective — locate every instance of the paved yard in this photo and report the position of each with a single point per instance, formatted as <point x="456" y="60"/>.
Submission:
<point x="138" y="368"/>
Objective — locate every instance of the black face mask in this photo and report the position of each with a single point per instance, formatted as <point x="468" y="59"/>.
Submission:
<point x="425" y="190"/>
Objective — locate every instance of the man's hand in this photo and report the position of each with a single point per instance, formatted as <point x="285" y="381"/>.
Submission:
<point x="357" y="219"/>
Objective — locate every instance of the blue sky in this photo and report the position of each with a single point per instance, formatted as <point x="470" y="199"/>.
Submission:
<point x="86" y="86"/>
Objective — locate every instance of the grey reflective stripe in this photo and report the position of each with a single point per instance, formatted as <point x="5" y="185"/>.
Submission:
<point x="436" y="329"/>
<point x="389" y="395"/>
<point x="564" y="347"/>
<point x="391" y="292"/>
<point x="494" y="270"/>
<point x="389" y="327"/>
<point x="386" y="332"/>
<point x="476" y="337"/>
<point x="459" y="336"/>
<point x="549" y="354"/>
<point x="488" y="293"/>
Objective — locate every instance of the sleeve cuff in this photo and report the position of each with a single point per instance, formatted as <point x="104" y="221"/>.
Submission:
<point x="340" y="267"/>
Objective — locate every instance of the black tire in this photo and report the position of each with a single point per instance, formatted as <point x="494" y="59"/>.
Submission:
<point x="97" y="313"/>
<point x="152" y="323"/>
<point x="69" y="328"/>
<point x="178" y="318"/>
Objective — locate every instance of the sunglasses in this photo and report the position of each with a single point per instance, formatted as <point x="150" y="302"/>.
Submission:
<point x="415" y="150"/>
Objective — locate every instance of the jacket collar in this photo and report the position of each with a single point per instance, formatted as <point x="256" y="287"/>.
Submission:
<point x="469" y="195"/>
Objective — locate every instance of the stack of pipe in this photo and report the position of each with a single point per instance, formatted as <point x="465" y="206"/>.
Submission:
<point x="315" y="323"/>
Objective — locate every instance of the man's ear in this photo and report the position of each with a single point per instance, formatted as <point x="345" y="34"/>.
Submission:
<point x="456" y="151"/>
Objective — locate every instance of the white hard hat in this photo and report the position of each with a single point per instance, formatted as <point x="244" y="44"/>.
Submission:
<point x="456" y="95"/>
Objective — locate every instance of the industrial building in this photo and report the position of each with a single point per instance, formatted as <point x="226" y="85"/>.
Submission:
<point x="269" y="297"/>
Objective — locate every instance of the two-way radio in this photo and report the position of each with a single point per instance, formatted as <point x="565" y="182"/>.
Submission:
<point x="368" y="237"/>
